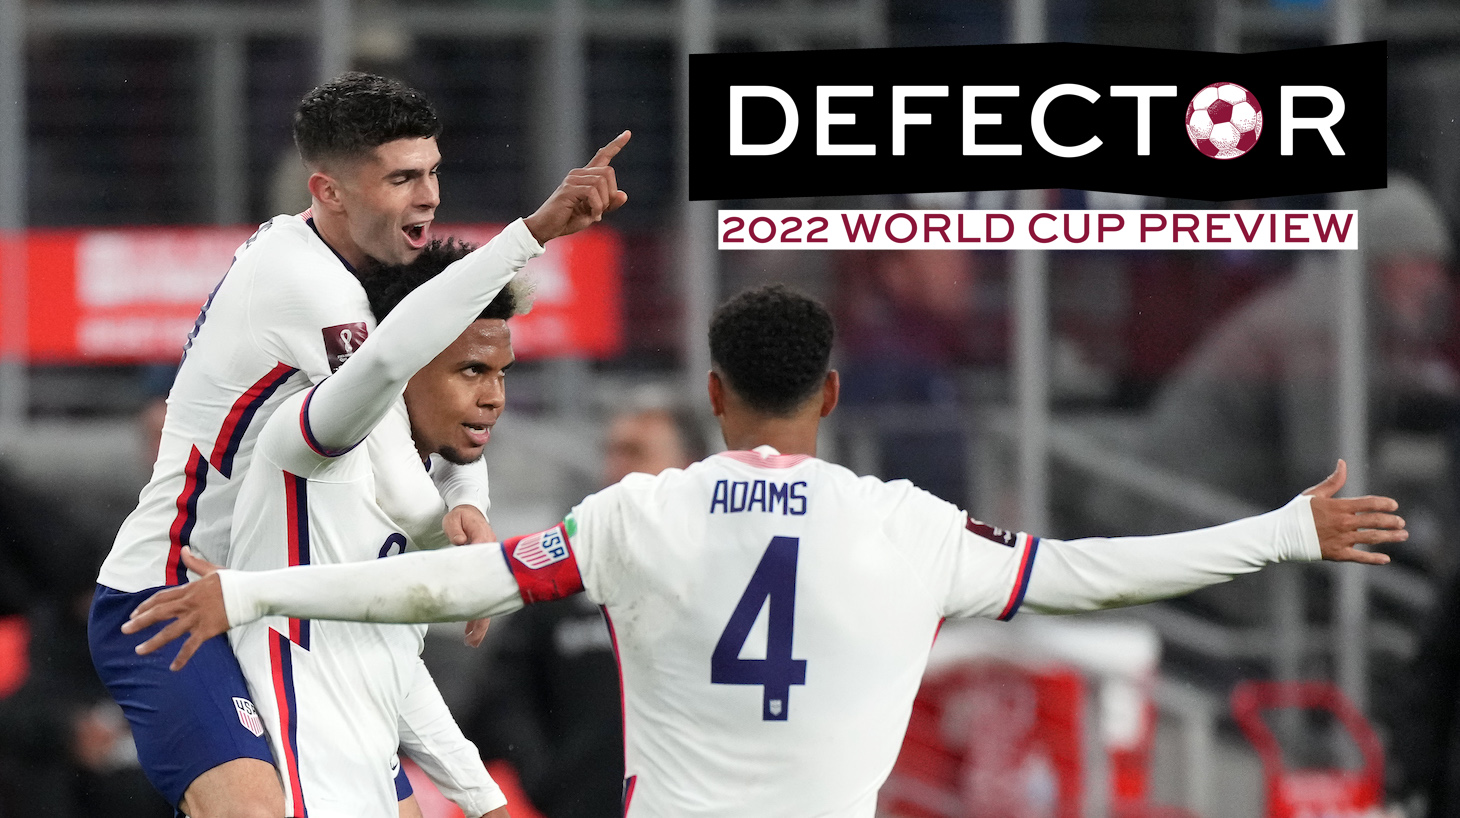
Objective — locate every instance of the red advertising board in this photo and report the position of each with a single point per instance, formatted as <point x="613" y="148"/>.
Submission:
<point x="131" y="295"/>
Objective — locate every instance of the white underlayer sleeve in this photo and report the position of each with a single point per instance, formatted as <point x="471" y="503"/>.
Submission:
<point x="1095" y="573"/>
<point x="431" y="737"/>
<point x="462" y="485"/>
<point x="348" y="404"/>
<point x="449" y="585"/>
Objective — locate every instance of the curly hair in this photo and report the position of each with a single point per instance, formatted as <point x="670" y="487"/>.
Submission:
<point x="773" y="345"/>
<point x="387" y="284"/>
<point x="355" y="112"/>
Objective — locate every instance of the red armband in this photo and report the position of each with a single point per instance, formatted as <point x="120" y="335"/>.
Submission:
<point x="543" y="565"/>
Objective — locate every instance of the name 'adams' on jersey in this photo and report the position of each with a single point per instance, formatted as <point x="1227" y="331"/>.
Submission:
<point x="286" y="314"/>
<point x="775" y="612"/>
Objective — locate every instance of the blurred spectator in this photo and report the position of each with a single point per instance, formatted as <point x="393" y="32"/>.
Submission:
<point x="1424" y="770"/>
<point x="1254" y="410"/>
<point x="553" y="708"/>
<point x="908" y="324"/>
<point x="65" y="749"/>
<point x="34" y="553"/>
<point x="650" y="440"/>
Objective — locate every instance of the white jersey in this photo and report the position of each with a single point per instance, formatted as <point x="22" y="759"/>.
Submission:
<point x="333" y="695"/>
<point x="338" y="698"/>
<point x="773" y="614"/>
<point x="287" y="314"/>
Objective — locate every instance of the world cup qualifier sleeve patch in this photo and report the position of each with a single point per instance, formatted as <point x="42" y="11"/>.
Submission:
<point x="543" y="565"/>
<point x="341" y="341"/>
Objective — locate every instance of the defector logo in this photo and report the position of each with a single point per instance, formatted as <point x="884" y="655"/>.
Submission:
<point x="1049" y="115"/>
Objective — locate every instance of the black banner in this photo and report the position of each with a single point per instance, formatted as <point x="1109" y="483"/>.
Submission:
<point x="1047" y="115"/>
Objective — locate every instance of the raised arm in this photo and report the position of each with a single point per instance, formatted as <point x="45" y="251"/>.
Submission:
<point x="346" y="406"/>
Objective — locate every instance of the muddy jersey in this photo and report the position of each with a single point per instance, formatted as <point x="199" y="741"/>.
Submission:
<point x="774" y="612"/>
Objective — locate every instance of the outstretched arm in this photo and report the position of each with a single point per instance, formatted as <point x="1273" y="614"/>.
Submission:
<point x="449" y="585"/>
<point x="1096" y="573"/>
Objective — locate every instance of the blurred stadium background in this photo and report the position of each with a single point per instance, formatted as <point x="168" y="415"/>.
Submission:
<point x="1064" y="393"/>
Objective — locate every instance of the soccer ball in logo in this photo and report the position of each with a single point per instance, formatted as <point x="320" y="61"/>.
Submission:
<point x="1223" y="120"/>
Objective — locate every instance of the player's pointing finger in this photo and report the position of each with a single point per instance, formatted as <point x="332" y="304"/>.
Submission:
<point x="608" y="152"/>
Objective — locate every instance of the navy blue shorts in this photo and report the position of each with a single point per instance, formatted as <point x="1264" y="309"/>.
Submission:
<point x="403" y="789"/>
<point x="184" y="723"/>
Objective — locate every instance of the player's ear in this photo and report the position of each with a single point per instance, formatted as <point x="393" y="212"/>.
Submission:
<point x="325" y="190"/>
<point x="831" y="391"/>
<point x="717" y="394"/>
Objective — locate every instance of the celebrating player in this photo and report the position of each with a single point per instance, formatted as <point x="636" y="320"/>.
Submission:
<point x="799" y="710"/>
<point x="286" y="315"/>
<point x="338" y="698"/>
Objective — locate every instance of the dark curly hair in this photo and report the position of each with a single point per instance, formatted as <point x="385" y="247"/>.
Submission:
<point x="355" y="112"/>
<point x="386" y="284"/>
<point x="773" y="345"/>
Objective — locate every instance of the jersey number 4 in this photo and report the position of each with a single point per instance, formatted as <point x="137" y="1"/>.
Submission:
<point x="774" y="580"/>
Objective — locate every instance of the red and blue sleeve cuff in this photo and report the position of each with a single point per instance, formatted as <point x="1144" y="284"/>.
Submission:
<point x="544" y="565"/>
<point x="308" y="433"/>
<point x="1021" y="581"/>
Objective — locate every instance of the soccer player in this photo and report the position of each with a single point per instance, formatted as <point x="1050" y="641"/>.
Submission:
<point x="338" y="698"/>
<point x="773" y="612"/>
<point x="287" y="314"/>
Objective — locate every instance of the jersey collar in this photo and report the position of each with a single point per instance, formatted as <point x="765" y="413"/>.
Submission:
<point x="308" y="217"/>
<point x="766" y="457"/>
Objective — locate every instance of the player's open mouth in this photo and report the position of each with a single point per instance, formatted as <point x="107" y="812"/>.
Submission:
<point x="417" y="234"/>
<point x="478" y="433"/>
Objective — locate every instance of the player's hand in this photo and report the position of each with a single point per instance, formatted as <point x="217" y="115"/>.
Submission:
<point x="466" y="524"/>
<point x="1344" y="523"/>
<point x="196" y="610"/>
<point x="584" y="196"/>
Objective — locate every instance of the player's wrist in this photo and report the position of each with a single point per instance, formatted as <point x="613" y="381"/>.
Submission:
<point x="539" y="226"/>
<point x="1302" y="543"/>
<point x="240" y="604"/>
